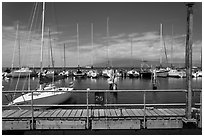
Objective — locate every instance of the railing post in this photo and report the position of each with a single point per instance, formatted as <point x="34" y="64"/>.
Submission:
<point x="87" y="103"/>
<point x="144" y="100"/>
<point x="32" y="119"/>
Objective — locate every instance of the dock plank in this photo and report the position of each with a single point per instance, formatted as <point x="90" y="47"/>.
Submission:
<point x="49" y="113"/>
<point x="78" y="114"/>
<point x="164" y="112"/>
<point x="95" y="111"/>
<point x="67" y="113"/>
<point x="43" y="113"/>
<point x="36" y="113"/>
<point x="118" y="112"/>
<point x="101" y="113"/>
<point x="18" y="113"/>
<point x="73" y="113"/>
<point x="55" y="113"/>
<point x="147" y="112"/>
<point x="176" y="112"/>
<point x="107" y="113"/>
<point x="141" y="111"/>
<point x="61" y="113"/>
<point x="6" y="113"/>
<point x="130" y="113"/>
<point x="153" y="113"/>
<point x="170" y="112"/>
<point x="124" y="112"/>
<point x="113" y="113"/>
<point x="26" y="114"/>
<point x="136" y="113"/>
<point x="84" y="113"/>
<point x="159" y="112"/>
<point x="181" y="111"/>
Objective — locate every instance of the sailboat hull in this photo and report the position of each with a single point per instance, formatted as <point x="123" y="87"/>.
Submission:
<point x="43" y="98"/>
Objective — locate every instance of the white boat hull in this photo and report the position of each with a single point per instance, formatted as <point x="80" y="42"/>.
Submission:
<point x="43" y="98"/>
<point x="176" y="74"/>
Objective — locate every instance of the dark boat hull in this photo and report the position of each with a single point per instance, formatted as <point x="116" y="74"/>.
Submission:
<point x="146" y="75"/>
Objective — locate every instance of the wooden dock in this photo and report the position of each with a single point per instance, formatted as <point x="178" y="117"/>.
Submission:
<point x="96" y="116"/>
<point x="113" y="118"/>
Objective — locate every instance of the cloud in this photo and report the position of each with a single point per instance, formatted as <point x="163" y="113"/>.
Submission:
<point x="145" y="46"/>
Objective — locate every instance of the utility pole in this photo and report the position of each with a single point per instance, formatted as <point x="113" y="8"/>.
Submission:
<point x="188" y="64"/>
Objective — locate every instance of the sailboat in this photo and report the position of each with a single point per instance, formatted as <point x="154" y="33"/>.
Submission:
<point x="161" y="72"/>
<point x="22" y="71"/>
<point x="49" y="75"/>
<point x="107" y="73"/>
<point x="145" y="71"/>
<point x="64" y="73"/>
<point x="79" y="73"/>
<point x="40" y="96"/>
<point x="132" y="73"/>
<point x="92" y="73"/>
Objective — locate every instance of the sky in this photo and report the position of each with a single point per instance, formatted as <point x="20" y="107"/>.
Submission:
<point x="138" y="22"/>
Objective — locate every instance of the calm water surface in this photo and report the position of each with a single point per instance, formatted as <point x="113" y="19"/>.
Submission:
<point x="121" y="97"/>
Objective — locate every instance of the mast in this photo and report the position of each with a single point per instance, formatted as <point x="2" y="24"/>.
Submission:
<point x="51" y="55"/>
<point x="77" y="45"/>
<point x="131" y="52"/>
<point x="42" y="38"/>
<point x="172" y="44"/>
<point x="64" y="57"/>
<point x="108" y="40"/>
<point x="92" y="62"/>
<point x="19" y="48"/>
<point x="161" y="43"/>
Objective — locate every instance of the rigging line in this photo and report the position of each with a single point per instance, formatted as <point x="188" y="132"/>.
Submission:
<point x="14" y="52"/>
<point x="24" y="83"/>
<point x="51" y="52"/>
<point x="35" y="6"/>
<point x="6" y="95"/>
<point x="29" y="34"/>
<point x="33" y="11"/>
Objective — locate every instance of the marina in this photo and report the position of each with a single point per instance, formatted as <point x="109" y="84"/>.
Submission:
<point x="111" y="90"/>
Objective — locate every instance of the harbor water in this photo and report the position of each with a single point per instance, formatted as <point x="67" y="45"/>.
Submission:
<point x="113" y="98"/>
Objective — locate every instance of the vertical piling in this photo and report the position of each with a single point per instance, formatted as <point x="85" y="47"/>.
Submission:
<point x="87" y="101"/>
<point x="32" y="119"/>
<point x="144" y="100"/>
<point x="189" y="59"/>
